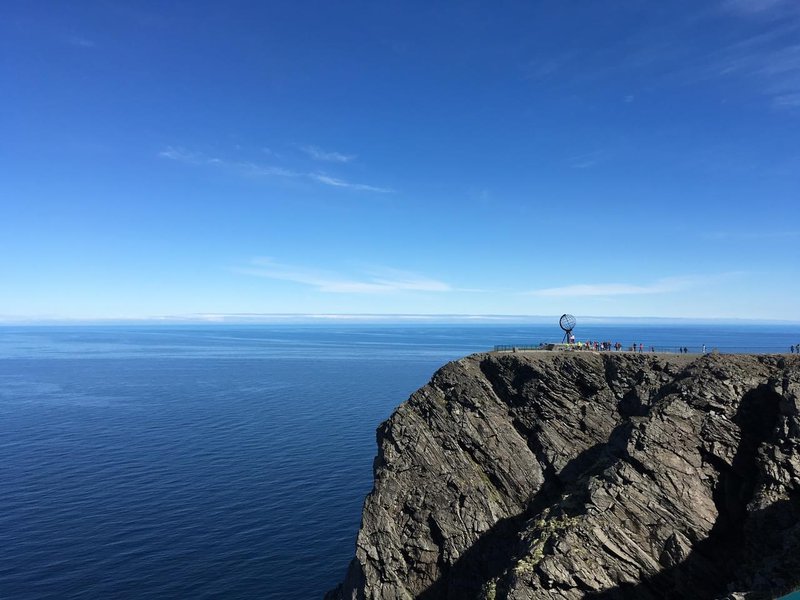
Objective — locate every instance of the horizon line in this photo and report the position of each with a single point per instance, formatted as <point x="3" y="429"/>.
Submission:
<point x="243" y="318"/>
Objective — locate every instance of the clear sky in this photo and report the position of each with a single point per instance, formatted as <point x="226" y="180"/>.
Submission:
<point x="617" y="158"/>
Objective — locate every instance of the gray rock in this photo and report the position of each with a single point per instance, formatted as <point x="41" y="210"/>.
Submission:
<point x="580" y="475"/>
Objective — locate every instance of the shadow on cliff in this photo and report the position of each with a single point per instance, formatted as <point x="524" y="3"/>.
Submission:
<point x="751" y="551"/>
<point x="756" y="550"/>
<point x="495" y="550"/>
<point x="712" y="569"/>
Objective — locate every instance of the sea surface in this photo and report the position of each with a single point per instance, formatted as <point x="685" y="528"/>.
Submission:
<point x="221" y="461"/>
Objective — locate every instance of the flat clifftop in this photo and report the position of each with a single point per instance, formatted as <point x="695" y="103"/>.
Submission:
<point x="583" y="475"/>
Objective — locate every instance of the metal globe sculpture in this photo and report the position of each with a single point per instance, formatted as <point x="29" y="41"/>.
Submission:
<point x="567" y="323"/>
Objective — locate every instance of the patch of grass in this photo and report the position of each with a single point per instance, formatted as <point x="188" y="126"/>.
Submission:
<point x="489" y="591"/>
<point x="543" y="530"/>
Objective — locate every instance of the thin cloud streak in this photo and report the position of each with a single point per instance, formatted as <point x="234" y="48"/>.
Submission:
<point x="755" y="7"/>
<point x="771" y="58"/>
<point x="247" y="168"/>
<point x="81" y="42"/>
<point x="752" y="235"/>
<point x="243" y="167"/>
<point x="398" y="281"/>
<point x="787" y="101"/>
<point x="318" y="153"/>
<point x="662" y="286"/>
<point x="768" y="61"/>
<point x="335" y="182"/>
<point x="587" y="160"/>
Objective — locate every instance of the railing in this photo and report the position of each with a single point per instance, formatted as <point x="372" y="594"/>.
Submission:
<point x="645" y="349"/>
<point x="520" y="348"/>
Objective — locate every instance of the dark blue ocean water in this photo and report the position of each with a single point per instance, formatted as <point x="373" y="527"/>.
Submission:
<point x="219" y="461"/>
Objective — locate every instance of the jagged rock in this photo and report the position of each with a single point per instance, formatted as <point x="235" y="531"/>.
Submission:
<point x="586" y="475"/>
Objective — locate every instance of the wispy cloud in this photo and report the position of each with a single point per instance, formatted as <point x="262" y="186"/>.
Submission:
<point x="185" y="156"/>
<point x="544" y="67"/>
<point x="769" y="58"/>
<point x="777" y="69"/>
<point x="752" y="235"/>
<point x="758" y="46"/>
<point x="80" y="42"/>
<point x="787" y="100"/>
<point x="755" y="6"/>
<point x="318" y="153"/>
<point x="242" y="167"/>
<point x="270" y="152"/>
<point x="587" y="159"/>
<point x="662" y="286"/>
<point x="248" y="168"/>
<point x="335" y="182"/>
<point x="385" y="281"/>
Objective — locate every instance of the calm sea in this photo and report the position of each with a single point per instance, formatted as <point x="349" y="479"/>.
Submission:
<point x="219" y="461"/>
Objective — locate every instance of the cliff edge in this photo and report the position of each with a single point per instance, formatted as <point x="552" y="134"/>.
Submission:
<point x="587" y="475"/>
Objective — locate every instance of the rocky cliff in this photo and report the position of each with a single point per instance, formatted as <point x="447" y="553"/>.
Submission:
<point x="586" y="475"/>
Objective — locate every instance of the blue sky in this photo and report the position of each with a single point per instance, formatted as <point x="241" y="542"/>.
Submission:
<point x="198" y="159"/>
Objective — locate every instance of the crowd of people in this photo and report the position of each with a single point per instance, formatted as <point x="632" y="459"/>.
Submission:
<point x="617" y="347"/>
<point x="607" y="346"/>
<point x="598" y="346"/>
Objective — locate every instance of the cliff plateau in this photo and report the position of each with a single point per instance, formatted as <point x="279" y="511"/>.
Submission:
<point x="587" y="475"/>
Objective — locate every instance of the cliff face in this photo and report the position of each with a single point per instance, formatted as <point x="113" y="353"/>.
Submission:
<point x="554" y="475"/>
